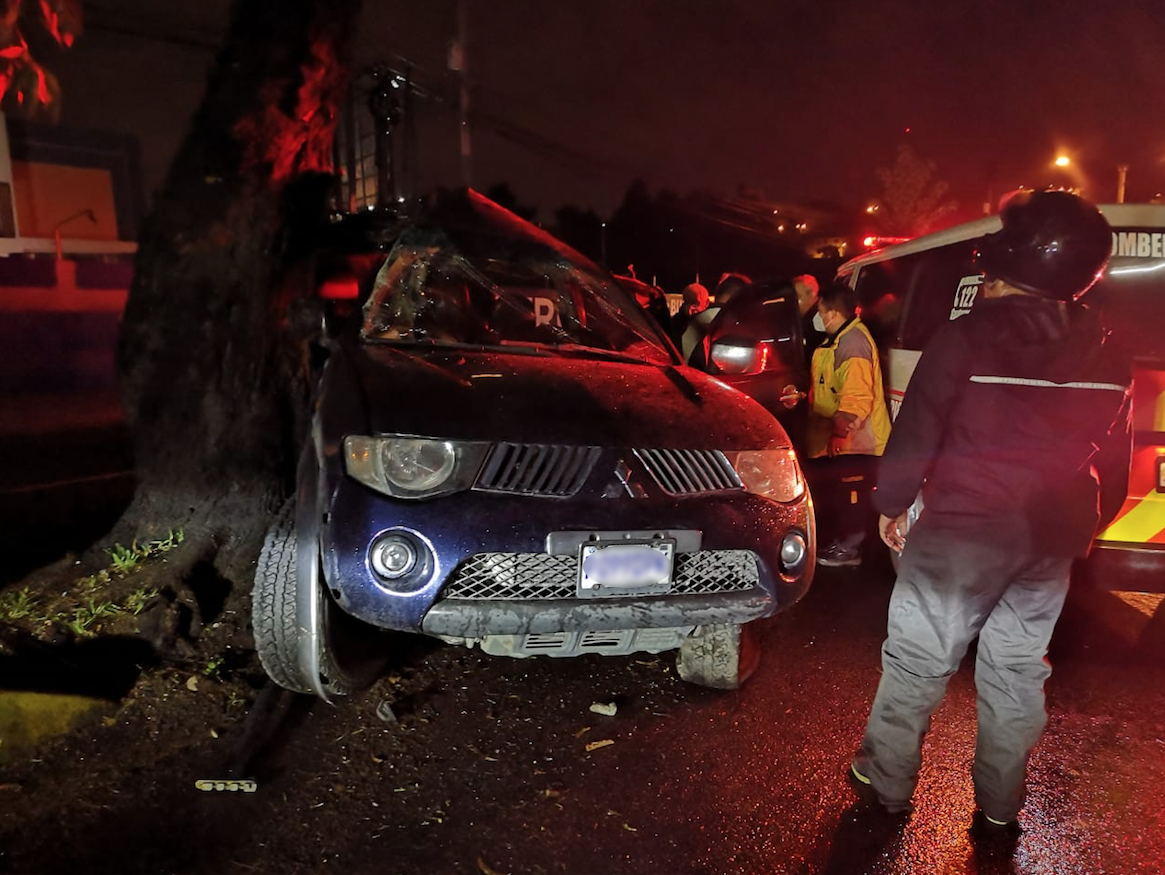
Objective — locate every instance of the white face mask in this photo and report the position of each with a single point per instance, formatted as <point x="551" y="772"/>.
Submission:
<point x="818" y="322"/>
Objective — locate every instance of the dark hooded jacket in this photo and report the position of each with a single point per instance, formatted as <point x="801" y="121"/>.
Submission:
<point x="1018" y="420"/>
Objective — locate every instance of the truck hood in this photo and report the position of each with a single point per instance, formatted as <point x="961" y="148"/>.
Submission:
<point x="552" y="398"/>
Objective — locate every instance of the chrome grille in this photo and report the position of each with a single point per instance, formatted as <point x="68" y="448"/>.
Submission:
<point x="690" y="472"/>
<point x="537" y="576"/>
<point x="536" y="469"/>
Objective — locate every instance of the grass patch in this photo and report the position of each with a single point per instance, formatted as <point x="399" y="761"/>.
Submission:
<point x="91" y="603"/>
<point x="87" y="615"/>
<point x="18" y="605"/>
<point x="123" y="560"/>
<point x="138" y="599"/>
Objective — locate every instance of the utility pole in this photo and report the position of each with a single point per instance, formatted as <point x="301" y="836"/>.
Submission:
<point x="384" y="105"/>
<point x="459" y="63"/>
<point x="406" y="179"/>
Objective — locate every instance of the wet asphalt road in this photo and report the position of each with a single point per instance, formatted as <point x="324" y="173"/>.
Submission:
<point x="65" y="476"/>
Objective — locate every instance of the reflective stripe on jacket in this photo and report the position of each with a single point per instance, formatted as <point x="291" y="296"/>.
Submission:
<point x="847" y="379"/>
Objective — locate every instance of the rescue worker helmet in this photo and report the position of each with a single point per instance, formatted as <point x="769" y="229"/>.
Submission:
<point x="1052" y="244"/>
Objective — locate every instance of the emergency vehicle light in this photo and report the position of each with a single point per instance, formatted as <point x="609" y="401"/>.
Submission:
<point x="874" y="242"/>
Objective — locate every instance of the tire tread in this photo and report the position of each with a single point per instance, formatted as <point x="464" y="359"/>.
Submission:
<point x="273" y="603"/>
<point x="710" y="657"/>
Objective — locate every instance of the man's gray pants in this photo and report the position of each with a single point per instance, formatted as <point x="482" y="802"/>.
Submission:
<point x="949" y="590"/>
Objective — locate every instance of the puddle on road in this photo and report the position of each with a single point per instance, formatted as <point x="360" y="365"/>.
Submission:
<point x="1128" y="614"/>
<point x="28" y="718"/>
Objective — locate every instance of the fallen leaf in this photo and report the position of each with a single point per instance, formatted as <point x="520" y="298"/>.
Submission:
<point x="192" y="683"/>
<point x="486" y="869"/>
<point x="595" y="745"/>
<point x="607" y="709"/>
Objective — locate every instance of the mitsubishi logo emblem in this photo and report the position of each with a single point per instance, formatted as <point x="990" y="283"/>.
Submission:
<point x="623" y="483"/>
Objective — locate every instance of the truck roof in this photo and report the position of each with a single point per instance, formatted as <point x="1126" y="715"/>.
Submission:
<point x="1118" y="215"/>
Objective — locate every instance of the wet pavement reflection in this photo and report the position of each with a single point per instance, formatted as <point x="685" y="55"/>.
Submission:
<point x="755" y="781"/>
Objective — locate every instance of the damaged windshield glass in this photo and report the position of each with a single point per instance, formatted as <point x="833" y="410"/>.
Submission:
<point x="428" y="292"/>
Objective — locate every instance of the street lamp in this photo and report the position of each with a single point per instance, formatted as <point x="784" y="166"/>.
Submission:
<point x="1074" y="173"/>
<point x="1122" y="171"/>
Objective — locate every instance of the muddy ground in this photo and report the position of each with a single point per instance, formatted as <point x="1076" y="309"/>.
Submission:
<point x="120" y="792"/>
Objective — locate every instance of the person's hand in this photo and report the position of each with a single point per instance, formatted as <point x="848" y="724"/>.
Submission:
<point x="845" y="424"/>
<point x="842" y="426"/>
<point x="893" y="531"/>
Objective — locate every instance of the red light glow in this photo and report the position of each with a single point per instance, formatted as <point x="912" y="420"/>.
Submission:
<point x="42" y="87"/>
<point x="873" y="242"/>
<point x="299" y="140"/>
<point x="340" y="288"/>
<point x="53" y="23"/>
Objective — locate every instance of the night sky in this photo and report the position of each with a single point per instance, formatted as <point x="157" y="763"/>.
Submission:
<point x="799" y="100"/>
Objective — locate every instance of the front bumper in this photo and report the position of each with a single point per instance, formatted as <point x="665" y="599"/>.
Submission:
<point x="464" y="526"/>
<point x="461" y="618"/>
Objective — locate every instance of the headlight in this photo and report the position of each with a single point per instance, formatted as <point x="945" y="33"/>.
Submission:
<point x="774" y="474"/>
<point x="739" y="357"/>
<point x="410" y="467"/>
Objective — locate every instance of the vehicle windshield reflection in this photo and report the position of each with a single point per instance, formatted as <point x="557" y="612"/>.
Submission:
<point x="432" y="295"/>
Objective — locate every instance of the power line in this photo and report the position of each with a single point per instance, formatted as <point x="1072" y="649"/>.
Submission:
<point x="100" y="19"/>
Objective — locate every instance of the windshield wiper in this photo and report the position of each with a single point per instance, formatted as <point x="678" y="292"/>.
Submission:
<point x="424" y="343"/>
<point x="582" y="350"/>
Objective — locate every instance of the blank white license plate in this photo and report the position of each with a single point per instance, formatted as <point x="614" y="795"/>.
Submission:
<point x="615" y="569"/>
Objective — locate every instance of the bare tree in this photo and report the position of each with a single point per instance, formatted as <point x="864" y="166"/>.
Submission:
<point x="912" y="201"/>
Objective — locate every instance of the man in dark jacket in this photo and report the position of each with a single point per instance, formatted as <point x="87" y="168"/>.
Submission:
<point x="1016" y="430"/>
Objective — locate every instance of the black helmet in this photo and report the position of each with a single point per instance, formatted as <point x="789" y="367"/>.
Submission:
<point x="1053" y="244"/>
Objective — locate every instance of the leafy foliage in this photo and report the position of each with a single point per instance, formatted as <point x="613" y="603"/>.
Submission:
<point x="27" y="88"/>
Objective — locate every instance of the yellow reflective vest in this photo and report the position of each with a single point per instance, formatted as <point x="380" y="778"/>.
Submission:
<point x="846" y="378"/>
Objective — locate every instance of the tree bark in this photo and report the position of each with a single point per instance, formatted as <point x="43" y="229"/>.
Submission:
<point x="213" y="388"/>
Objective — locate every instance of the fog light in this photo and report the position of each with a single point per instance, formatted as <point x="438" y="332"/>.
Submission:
<point x="392" y="556"/>
<point x="793" y="552"/>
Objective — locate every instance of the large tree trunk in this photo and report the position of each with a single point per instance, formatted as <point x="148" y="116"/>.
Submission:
<point x="209" y="373"/>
